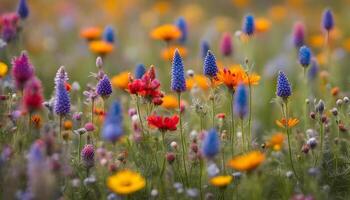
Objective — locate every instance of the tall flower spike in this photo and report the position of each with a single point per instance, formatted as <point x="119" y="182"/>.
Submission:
<point x="140" y="70"/>
<point x="298" y="34"/>
<point x="248" y="25"/>
<point x="241" y="101"/>
<point x="104" y="87"/>
<point x="32" y="96"/>
<point x="284" y="90"/>
<point x="327" y="20"/>
<point x="61" y="75"/>
<point x="304" y="56"/>
<point x="62" y="100"/>
<point x="210" y="68"/>
<point x="113" y="126"/>
<point x="108" y="34"/>
<point x="178" y="82"/>
<point x="204" y="48"/>
<point x="211" y="144"/>
<point x="182" y="25"/>
<point x="226" y="44"/>
<point x="22" y="9"/>
<point x="22" y="70"/>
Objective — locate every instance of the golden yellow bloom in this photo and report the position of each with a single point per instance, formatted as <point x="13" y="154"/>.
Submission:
<point x="276" y="141"/>
<point x="101" y="47"/>
<point x="247" y="162"/>
<point x="221" y="181"/>
<point x="126" y="182"/>
<point x="278" y="13"/>
<point x="170" y="102"/>
<point x="253" y="79"/>
<point x="346" y="44"/>
<point x="166" y="32"/>
<point x="168" y="53"/>
<point x="291" y="122"/>
<point x="198" y="80"/>
<point x="3" y="69"/>
<point x="121" y="80"/>
<point x="91" y="33"/>
<point x="262" y="25"/>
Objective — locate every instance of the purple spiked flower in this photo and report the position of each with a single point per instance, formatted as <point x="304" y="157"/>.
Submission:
<point x="226" y="44"/>
<point x="62" y="100"/>
<point x="178" y="83"/>
<point x="22" y="70"/>
<point x="87" y="155"/>
<point x="241" y="101"/>
<point x="211" y="144"/>
<point x="248" y="25"/>
<point x="104" y="87"/>
<point x="304" y="56"/>
<point x="284" y="90"/>
<point x="327" y="20"/>
<point x="22" y="9"/>
<point x="210" y="68"/>
<point x="182" y="25"/>
<point x="298" y="34"/>
<point x="61" y="75"/>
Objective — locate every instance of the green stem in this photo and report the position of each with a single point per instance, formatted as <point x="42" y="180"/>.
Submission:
<point x="182" y="140"/>
<point x="139" y="114"/>
<point x="250" y="113"/>
<point x="243" y="135"/>
<point x="232" y="136"/>
<point x="200" y="178"/>
<point x="79" y="146"/>
<point x="164" y="159"/>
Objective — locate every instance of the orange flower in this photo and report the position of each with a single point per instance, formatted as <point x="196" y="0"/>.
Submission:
<point x="168" y="53"/>
<point x="247" y="162"/>
<point x="262" y="25"/>
<point x="335" y="91"/>
<point x="170" y="102"/>
<point x="200" y="81"/>
<point x="276" y="141"/>
<point x="166" y="32"/>
<point x="230" y="77"/>
<point x="121" y="80"/>
<point x="253" y="79"/>
<point x="67" y="125"/>
<point x="101" y="47"/>
<point x="91" y="33"/>
<point x="278" y="13"/>
<point x="36" y="120"/>
<point x="291" y="122"/>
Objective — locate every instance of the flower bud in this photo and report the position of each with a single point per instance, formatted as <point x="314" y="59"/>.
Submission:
<point x="89" y="127"/>
<point x="312" y="142"/>
<point x="339" y="102"/>
<point x="170" y="157"/>
<point x="334" y="111"/>
<point x="320" y="107"/>
<point x="305" y="148"/>
<point x="346" y="100"/>
<point x="312" y="115"/>
<point x="173" y="145"/>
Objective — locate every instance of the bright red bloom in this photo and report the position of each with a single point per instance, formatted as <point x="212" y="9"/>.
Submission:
<point x="32" y="96"/>
<point x="163" y="123"/>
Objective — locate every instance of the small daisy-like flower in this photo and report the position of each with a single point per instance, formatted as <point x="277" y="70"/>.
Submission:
<point x="121" y="80"/>
<point x="91" y="33"/>
<point x="221" y="181"/>
<point x="291" y="122"/>
<point x="101" y="47"/>
<point x="276" y="141"/>
<point x="247" y="162"/>
<point x="167" y="32"/>
<point x="198" y="80"/>
<point x="170" y="102"/>
<point x="168" y="53"/>
<point x="126" y="182"/>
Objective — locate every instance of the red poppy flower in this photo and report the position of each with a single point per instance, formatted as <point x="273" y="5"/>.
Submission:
<point x="163" y="123"/>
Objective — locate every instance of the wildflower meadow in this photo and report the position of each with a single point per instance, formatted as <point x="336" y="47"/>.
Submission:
<point x="174" y="99"/>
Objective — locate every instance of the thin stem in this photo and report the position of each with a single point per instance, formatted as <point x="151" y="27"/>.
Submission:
<point x="79" y="146"/>
<point x="213" y="110"/>
<point x="322" y="138"/>
<point x="139" y="114"/>
<point x="250" y="113"/>
<point x="243" y="136"/>
<point x="164" y="159"/>
<point x="232" y="136"/>
<point x="200" y="178"/>
<point x="92" y="111"/>
<point x="60" y="128"/>
<point x="182" y="139"/>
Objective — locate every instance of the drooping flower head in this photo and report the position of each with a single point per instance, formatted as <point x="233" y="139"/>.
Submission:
<point x="140" y="70"/>
<point x="210" y="68"/>
<point x="182" y="25"/>
<point x="204" y="49"/>
<point x="104" y="87"/>
<point x="211" y="144"/>
<point x="284" y="89"/>
<point x="304" y="56"/>
<point x="226" y="44"/>
<point x="62" y="99"/>
<point x="108" y="34"/>
<point x="178" y="82"/>
<point x="22" y="9"/>
<point x="32" y="96"/>
<point x="163" y="123"/>
<point x="314" y="68"/>
<point x="87" y="155"/>
<point x="298" y="34"/>
<point x="22" y="70"/>
<point x="327" y="20"/>
<point x="241" y="101"/>
<point x="248" y="25"/>
<point x="113" y="125"/>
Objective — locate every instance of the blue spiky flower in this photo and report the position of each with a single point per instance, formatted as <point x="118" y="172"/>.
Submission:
<point x="211" y="144"/>
<point x="140" y="70"/>
<point x="327" y="20"/>
<point x="22" y="9"/>
<point x="104" y="87"/>
<point x="284" y="89"/>
<point x="241" y="101"/>
<point x="210" y="68"/>
<point x="178" y="82"/>
<point x="305" y="56"/>
<point x="108" y="34"/>
<point x="248" y="25"/>
<point x="182" y="25"/>
<point x="113" y="125"/>
<point x="204" y="48"/>
<point x="62" y="100"/>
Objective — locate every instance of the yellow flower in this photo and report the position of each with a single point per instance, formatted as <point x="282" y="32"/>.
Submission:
<point x="278" y="13"/>
<point x="91" y="33"/>
<point x="101" y="47"/>
<point x="291" y="122"/>
<point x="276" y="141"/>
<point x="121" y="80"/>
<point x="317" y="41"/>
<point x="221" y="181"/>
<point x="126" y="182"/>
<point x="234" y="75"/>
<point x="166" y="32"/>
<point x="162" y="7"/>
<point x="168" y="53"/>
<point x="247" y="162"/>
<point x="170" y="102"/>
<point x="3" y="69"/>
<point x="262" y="25"/>
<point x="198" y="80"/>
<point x="346" y="44"/>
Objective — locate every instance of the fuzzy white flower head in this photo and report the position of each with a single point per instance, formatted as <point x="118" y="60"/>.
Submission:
<point x="135" y="118"/>
<point x="173" y="145"/>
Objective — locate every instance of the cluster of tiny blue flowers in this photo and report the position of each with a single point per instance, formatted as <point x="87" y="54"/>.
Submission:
<point x="305" y="56"/>
<point x="210" y="68"/>
<point x="62" y="100"/>
<point x="248" y="25"/>
<point x="241" y="101"/>
<point x="284" y="89"/>
<point x="211" y="144"/>
<point x="178" y="83"/>
<point x="104" y="87"/>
